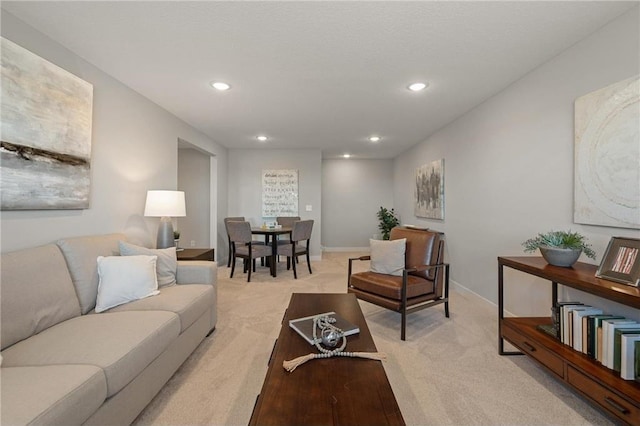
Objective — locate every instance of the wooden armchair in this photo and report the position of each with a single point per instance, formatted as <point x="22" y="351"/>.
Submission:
<point x="424" y="281"/>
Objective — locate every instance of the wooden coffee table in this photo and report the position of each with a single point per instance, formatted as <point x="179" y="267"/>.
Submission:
<point x="348" y="391"/>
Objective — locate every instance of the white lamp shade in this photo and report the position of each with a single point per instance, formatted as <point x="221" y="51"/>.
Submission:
<point x="165" y="204"/>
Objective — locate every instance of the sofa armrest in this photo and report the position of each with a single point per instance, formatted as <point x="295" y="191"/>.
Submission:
<point x="197" y="272"/>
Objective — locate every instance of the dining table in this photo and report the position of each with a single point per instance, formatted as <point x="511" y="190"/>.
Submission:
<point x="271" y="234"/>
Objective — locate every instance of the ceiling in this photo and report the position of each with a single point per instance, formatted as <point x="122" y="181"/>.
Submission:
<point x="318" y="75"/>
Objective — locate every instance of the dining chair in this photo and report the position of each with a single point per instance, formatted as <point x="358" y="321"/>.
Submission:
<point x="285" y="222"/>
<point x="301" y="232"/>
<point x="226" y="227"/>
<point x="243" y="246"/>
<point x="407" y="279"/>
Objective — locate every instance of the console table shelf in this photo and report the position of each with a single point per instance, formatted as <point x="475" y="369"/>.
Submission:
<point x="601" y="385"/>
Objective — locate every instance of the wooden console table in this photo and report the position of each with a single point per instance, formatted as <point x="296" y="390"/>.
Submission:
<point x="600" y="385"/>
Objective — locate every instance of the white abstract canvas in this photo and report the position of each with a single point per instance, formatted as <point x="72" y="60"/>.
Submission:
<point x="429" y="190"/>
<point x="607" y="156"/>
<point x="46" y="134"/>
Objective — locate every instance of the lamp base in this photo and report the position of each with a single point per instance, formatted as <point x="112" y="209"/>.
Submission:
<point x="165" y="234"/>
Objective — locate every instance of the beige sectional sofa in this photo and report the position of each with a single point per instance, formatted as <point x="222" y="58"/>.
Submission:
<point x="64" y="364"/>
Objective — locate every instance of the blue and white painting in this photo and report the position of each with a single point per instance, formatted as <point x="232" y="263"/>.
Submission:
<point x="45" y="134"/>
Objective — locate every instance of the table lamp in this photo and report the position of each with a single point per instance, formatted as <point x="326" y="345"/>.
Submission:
<point x="165" y="204"/>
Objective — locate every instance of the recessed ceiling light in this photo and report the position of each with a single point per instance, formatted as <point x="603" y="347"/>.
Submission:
<point x="219" y="85"/>
<point x="346" y="155"/>
<point x="262" y="138"/>
<point x="416" y="87"/>
<point x="374" y="138"/>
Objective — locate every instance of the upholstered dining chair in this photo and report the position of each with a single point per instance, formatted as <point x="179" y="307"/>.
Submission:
<point x="242" y="246"/>
<point x="285" y="222"/>
<point x="299" y="245"/>
<point x="226" y="227"/>
<point x="418" y="280"/>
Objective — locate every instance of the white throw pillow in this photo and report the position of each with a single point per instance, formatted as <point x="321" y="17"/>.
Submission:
<point x="123" y="279"/>
<point x="167" y="261"/>
<point x="387" y="257"/>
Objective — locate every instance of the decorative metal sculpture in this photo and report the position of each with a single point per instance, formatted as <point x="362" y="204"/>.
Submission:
<point x="330" y="335"/>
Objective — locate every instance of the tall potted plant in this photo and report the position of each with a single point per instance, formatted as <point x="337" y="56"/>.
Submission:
<point x="388" y="219"/>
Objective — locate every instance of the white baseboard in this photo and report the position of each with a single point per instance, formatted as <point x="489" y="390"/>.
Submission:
<point x="345" y="249"/>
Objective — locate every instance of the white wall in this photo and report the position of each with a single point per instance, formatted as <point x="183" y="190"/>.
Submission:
<point x="509" y="167"/>
<point x="134" y="148"/>
<point x="352" y="193"/>
<point x="194" y="179"/>
<point x="245" y="185"/>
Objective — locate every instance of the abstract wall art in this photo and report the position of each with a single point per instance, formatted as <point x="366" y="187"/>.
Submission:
<point x="607" y="156"/>
<point x="46" y="134"/>
<point x="429" y="190"/>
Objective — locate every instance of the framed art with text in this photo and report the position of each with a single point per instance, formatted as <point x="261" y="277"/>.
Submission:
<point x="279" y="193"/>
<point x="621" y="261"/>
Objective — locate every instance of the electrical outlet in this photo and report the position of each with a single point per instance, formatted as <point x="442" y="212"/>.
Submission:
<point x="193" y="243"/>
<point x="309" y="207"/>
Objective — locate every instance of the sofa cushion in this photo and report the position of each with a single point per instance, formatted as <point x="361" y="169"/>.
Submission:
<point x="166" y="265"/>
<point x="37" y="292"/>
<point x="189" y="301"/>
<point x="81" y="254"/>
<point x="123" y="279"/>
<point x="197" y="272"/>
<point x="51" y="394"/>
<point x="121" y="343"/>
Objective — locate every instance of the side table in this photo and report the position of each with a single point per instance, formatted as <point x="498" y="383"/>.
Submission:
<point x="196" y="254"/>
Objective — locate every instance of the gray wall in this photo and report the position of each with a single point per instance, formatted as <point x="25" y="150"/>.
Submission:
<point x="509" y="167"/>
<point x="193" y="179"/>
<point x="352" y="193"/>
<point x="245" y="185"/>
<point x="134" y="149"/>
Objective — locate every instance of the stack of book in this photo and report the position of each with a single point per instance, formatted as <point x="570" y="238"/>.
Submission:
<point x="612" y="340"/>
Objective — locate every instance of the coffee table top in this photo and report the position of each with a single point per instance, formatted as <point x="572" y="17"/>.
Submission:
<point x="325" y="391"/>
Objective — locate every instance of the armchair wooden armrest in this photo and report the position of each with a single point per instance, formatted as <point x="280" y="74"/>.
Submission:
<point x="360" y="258"/>
<point x="351" y="259"/>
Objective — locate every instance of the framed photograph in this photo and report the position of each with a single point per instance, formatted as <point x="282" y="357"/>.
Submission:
<point x="621" y="261"/>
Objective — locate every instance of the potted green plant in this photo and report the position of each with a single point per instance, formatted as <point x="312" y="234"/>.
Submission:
<point x="176" y="237"/>
<point x="560" y="248"/>
<point x="388" y="220"/>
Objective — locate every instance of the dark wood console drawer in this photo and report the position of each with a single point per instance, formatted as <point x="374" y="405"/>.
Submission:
<point x="612" y="402"/>
<point x="534" y="349"/>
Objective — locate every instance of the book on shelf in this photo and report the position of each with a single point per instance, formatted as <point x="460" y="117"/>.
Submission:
<point x="564" y="319"/>
<point x="304" y="326"/>
<point x="617" y="345"/>
<point x="567" y="322"/>
<point x="580" y="332"/>
<point x="629" y="345"/>
<point x="594" y="331"/>
<point x="558" y="316"/>
<point x="636" y="361"/>
<point x="608" y="330"/>
<point x="602" y="335"/>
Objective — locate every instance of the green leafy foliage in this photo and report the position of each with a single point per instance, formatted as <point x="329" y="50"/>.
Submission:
<point x="388" y="220"/>
<point x="176" y="235"/>
<point x="560" y="239"/>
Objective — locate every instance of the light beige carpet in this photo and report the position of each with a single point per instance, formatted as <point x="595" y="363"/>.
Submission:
<point x="447" y="372"/>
